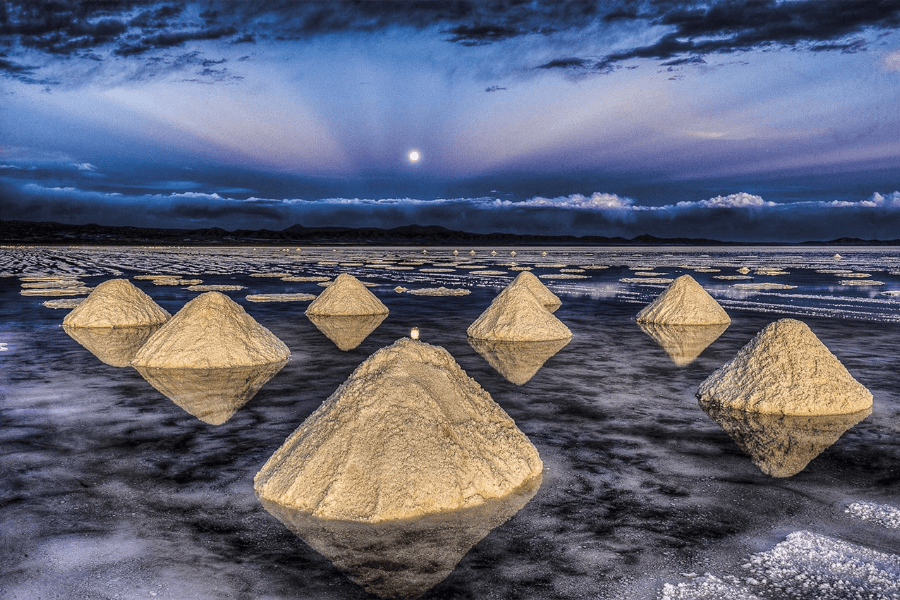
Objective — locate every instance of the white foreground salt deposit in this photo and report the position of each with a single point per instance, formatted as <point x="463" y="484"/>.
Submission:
<point x="346" y="296"/>
<point x="518" y="316"/>
<point x="211" y="331"/>
<point x="684" y="302"/>
<point x="787" y="370"/>
<point x="884" y="515"/>
<point x="407" y="434"/>
<point x="116" y="303"/>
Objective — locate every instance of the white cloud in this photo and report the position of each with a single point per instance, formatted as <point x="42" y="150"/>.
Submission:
<point x="85" y="167"/>
<point x="877" y="200"/>
<point x="595" y="201"/>
<point x="739" y="200"/>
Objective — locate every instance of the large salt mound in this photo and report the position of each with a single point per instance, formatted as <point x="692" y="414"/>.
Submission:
<point x="785" y="369"/>
<point x="346" y="296"/>
<point x="526" y="281"/>
<point x="406" y="435"/>
<point x="116" y="303"/>
<point x="211" y="331"/>
<point x="518" y="317"/>
<point x="684" y="302"/>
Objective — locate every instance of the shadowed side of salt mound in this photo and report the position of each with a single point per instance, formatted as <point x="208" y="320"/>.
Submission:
<point x="683" y="343"/>
<point x="518" y="317"/>
<point x="787" y="370"/>
<point x="211" y="331"/>
<point x="517" y="362"/>
<point x="405" y="558"/>
<point x="211" y="395"/>
<point x="115" y="346"/>
<point x="684" y="302"/>
<point x="782" y="445"/>
<point x="346" y="296"/>
<point x="116" y="303"/>
<point x="346" y="331"/>
<point x="526" y="281"/>
<point x="407" y="434"/>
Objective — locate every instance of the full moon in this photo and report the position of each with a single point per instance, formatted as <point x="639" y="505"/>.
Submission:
<point x="414" y="156"/>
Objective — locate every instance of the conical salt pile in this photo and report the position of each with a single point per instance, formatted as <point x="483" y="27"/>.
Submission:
<point x="346" y="296"/>
<point x="684" y="302"/>
<point x="518" y="317"/>
<point x="210" y="331"/>
<point x="116" y="303"/>
<point x="785" y="369"/>
<point x="528" y="281"/>
<point x="407" y="434"/>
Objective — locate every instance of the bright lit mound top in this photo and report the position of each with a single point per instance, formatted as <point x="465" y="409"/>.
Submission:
<point x="116" y="303"/>
<point x="211" y="331"/>
<point x="786" y="370"/>
<point x="529" y="281"/>
<point x="518" y="317"/>
<point x="406" y="435"/>
<point x="684" y="302"/>
<point x="344" y="297"/>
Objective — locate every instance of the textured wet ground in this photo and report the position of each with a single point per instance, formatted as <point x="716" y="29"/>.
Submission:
<point x="110" y="489"/>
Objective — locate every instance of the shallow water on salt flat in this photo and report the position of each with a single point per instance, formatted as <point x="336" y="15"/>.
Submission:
<point x="112" y="490"/>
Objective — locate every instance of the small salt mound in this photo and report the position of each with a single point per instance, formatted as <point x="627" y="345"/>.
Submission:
<point x="648" y="273"/>
<point x="743" y="270"/>
<point x="684" y="302"/>
<point x="346" y="296"/>
<point x="306" y="278"/>
<point x="683" y="343"/>
<point x="647" y="280"/>
<point x="860" y="282"/>
<point x="886" y="516"/>
<point x="595" y="267"/>
<point x="487" y="272"/>
<point x="707" y="270"/>
<point x="280" y="297"/>
<point x="211" y="331"/>
<point x="346" y="331"/>
<point x="571" y="270"/>
<point x="66" y="303"/>
<point x="279" y="275"/>
<point x="770" y="271"/>
<point x="211" y="395"/>
<point x="222" y="287"/>
<point x="851" y="275"/>
<point x="437" y="270"/>
<point x="517" y="362"/>
<point x="440" y="291"/>
<point x="51" y="291"/>
<point x="529" y="282"/>
<point x="563" y="276"/>
<point x="782" y="445"/>
<point x="116" y="303"/>
<point x="407" y="434"/>
<point x="763" y="286"/>
<point x="785" y="369"/>
<point x="518" y="316"/>
<point x="732" y="277"/>
<point x="176" y="281"/>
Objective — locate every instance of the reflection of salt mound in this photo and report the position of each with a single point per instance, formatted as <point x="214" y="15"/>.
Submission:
<point x="406" y="435"/>
<point x="517" y="317"/>
<point x="517" y="361"/>
<point x="403" y="559"/>
<point x="211" y="331"/>
<point x="785" y="369"/>
<point x="211" y="395"/>
<point x="116" y="303"/>
<point x="684" y="302"/>
<point x="115" y="346"/>
<point x="346" y="331"/>
<point x="346" y="296"/>
<point x="683" y="343"/>
<point x="529" y="281"/>
<point x="782" y="445"/>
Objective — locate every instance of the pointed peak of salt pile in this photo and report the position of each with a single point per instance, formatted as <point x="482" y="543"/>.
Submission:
<point x="406" y="435"/>
<point x="346" y="296"/>
<point x="211" y="331"/>
<point x="518" y="317"/>
<point x="116" y="303"/>
<point x="787" y="370"/>
<point x="530" y="282"/>
<point x="684" y="302"/>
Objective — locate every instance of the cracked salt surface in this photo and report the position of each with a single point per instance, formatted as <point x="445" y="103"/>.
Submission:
<point x="111" y="488"/>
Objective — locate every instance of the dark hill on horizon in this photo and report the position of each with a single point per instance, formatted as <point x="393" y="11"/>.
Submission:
<point x="28" y="232"/>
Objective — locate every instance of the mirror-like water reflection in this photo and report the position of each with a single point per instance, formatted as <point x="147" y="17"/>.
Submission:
<point x="518" y="362"/>
<point x="346" y="331"/>
<point x="115" y="346"/>
<point x="683" y="343"/>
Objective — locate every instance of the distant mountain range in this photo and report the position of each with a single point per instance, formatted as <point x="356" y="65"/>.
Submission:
<point x="27" y="232"/>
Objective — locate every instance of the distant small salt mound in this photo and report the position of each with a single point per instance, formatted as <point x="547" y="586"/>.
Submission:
<point x="436" y="270"/>
<point x="732" y="277"/>
<point x="347" y="296"/>
<point x="66" y="303"/>
<point x="173" y="281"/>
<point x="647" y="280"/>
<point x="367" y="284"/>
<point x="595" y="267"/>
<point x="218" y="287"/>
<point x="785" y="369"/>
<point x="771" y="271"/>
<point x="520" y="268"/>
<point x="306" y="278"/>
<point x="408" y="434"/>
<point x="571" y="270"/>
<point x="518" y="316"/>
<point x="116" y="303"/>
<point x="53" y="291"/>
<point x="275" y="275"/>
<point x="649" y="274"/>
<point x="707" y="270"/>
<point x="851" y="275"/>
<point x="766" y="285"/>
<point x="743" y="270"/>
<point x="684" y="302"/>
<point x="531" y="283"/>
<point x="872" y="282"/>
<point x="280" y="297"/>
<point x="440" y="291"/>
<point x="487" y="272"/>
<point x="211" y="331"/>
<point x="834" y="271"/>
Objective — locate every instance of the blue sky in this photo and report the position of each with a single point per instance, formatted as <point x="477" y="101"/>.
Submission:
<point x="733" y="120"/>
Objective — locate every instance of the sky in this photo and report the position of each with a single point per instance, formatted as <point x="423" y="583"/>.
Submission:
<point x="733" y="120"/>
